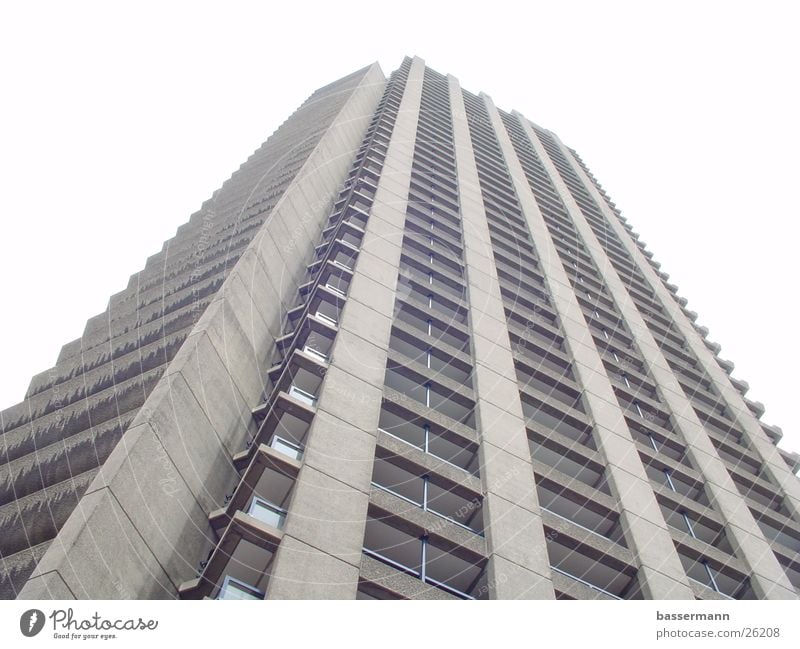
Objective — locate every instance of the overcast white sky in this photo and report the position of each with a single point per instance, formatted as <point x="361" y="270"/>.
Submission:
<point x="115" y="124"/>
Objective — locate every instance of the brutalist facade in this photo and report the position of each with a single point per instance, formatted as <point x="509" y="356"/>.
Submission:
<point x="409" y="350"/>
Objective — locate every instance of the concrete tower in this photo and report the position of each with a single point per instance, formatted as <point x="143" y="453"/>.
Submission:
<point x="409" y="350"/>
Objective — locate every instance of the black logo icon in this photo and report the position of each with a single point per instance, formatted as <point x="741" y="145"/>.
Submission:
<point x="31" y="622"/>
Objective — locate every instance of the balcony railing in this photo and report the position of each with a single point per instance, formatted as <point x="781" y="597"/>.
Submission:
<point x="425" y="450"/>
<point x="416" y="573"/>
<point x="585" y="583"/>
<point x="569" y="520"/>
<point x="425" y="507"/>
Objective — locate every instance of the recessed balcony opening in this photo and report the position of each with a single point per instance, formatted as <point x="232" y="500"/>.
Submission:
<point x="570" y="462"/>
<point x="344" y="259"/>
<point x="658" y="443"/>
<point x="741" y="462"/>
<point x="550" y="387"/>
<point x="427" y="559"/>
<point x="787" y="537"/>
<point x="286" y="433"/>
<point x="301" y="384"/>
<point x="430" y="492"/>
<point x="397" y="548"/>
<point x="451" y="404"/>
<point x="246" y="573"/>
<point x="441" y="363"/>
<point x="312" y="339"/>
<point x="642" y="410"/>
<point x="702" y="529"/>
<point x="431" y="439"/>
<point x="757" y="493"/>
<point x="599" y="572"/>
<point x="536" y="337"/>
<point x="683" y="485"/>
<point x="351" y="238"/>
<point x="435" y="259"/>
<point x="431" y="277"/>
<point x="444" y="365"/>
<point x="459" y="576"/>
<point x="432" y="395"/>
<point x="721" y="579"/>
<point x="431" y="224"/>
<point x="456" y="505"/>
<point x="411" y="432"/>
<point x="333" y="277"/>
<point x="399" y="481"/>
<point x="722" y="429"/>
<point x="451" y="449"/>
<point x="431" y="328"/>
<point x="369" y="591"/>
<point x="581" y="511"/>
<point x="513" y="249"/>
<point x="356" y="216"/>
<point x="450" y="310"/>
<point x="526" y="298"/>
<point x="518" y="276"/>
<point x="435" y="240"/>
<point x="543" y="416"/>
<point x="269" y="498"/>
<point x="322" y="304"/>
<point x="528" y="355"/>
<point x="317" y="345"/>
<point x="327" y="312"/>
<point x="365" y="190"/>
<point x="792" y="569"/>
<point x="423" y="241"/>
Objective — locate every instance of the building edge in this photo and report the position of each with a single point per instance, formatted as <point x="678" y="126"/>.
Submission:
<point x="141" y="528"/>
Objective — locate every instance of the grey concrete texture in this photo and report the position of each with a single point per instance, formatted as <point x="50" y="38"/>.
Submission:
<point x="511" y="510"/>
<point x="198" y="412"/>
<point x="117" y="470"/>
<point x="633" y="492"/>
<point x="702" y="451"/>
<point x="330" y="498"/>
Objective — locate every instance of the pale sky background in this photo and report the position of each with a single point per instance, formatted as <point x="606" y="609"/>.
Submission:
<point x="115" y="124"/>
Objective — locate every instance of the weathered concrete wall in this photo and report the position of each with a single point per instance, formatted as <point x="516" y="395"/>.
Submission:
<point x="142" y="526"/>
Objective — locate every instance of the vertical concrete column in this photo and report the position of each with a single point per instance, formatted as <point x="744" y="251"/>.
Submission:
<point x="518" y="562"/>
<point x="768" y="577"/>
<point x="659" y="569"/>
<point x="320" y="554"/>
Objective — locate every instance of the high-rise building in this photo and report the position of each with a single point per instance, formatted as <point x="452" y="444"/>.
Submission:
<point x="410" y="349"/>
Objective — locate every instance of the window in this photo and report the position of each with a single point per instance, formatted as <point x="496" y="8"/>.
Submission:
<point x="335" y="289"/>
<point x="235" y="589"/>
<point x="326" y="318"/>
<point x="286" y="447"/>
<point x="316" y="354"/>
<point x="302" y="395"/>
<point x="431" y="493"/>
<point x="424" y="558"/>
<point x="688" y="523"/>
<point x="267" y="513"/>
